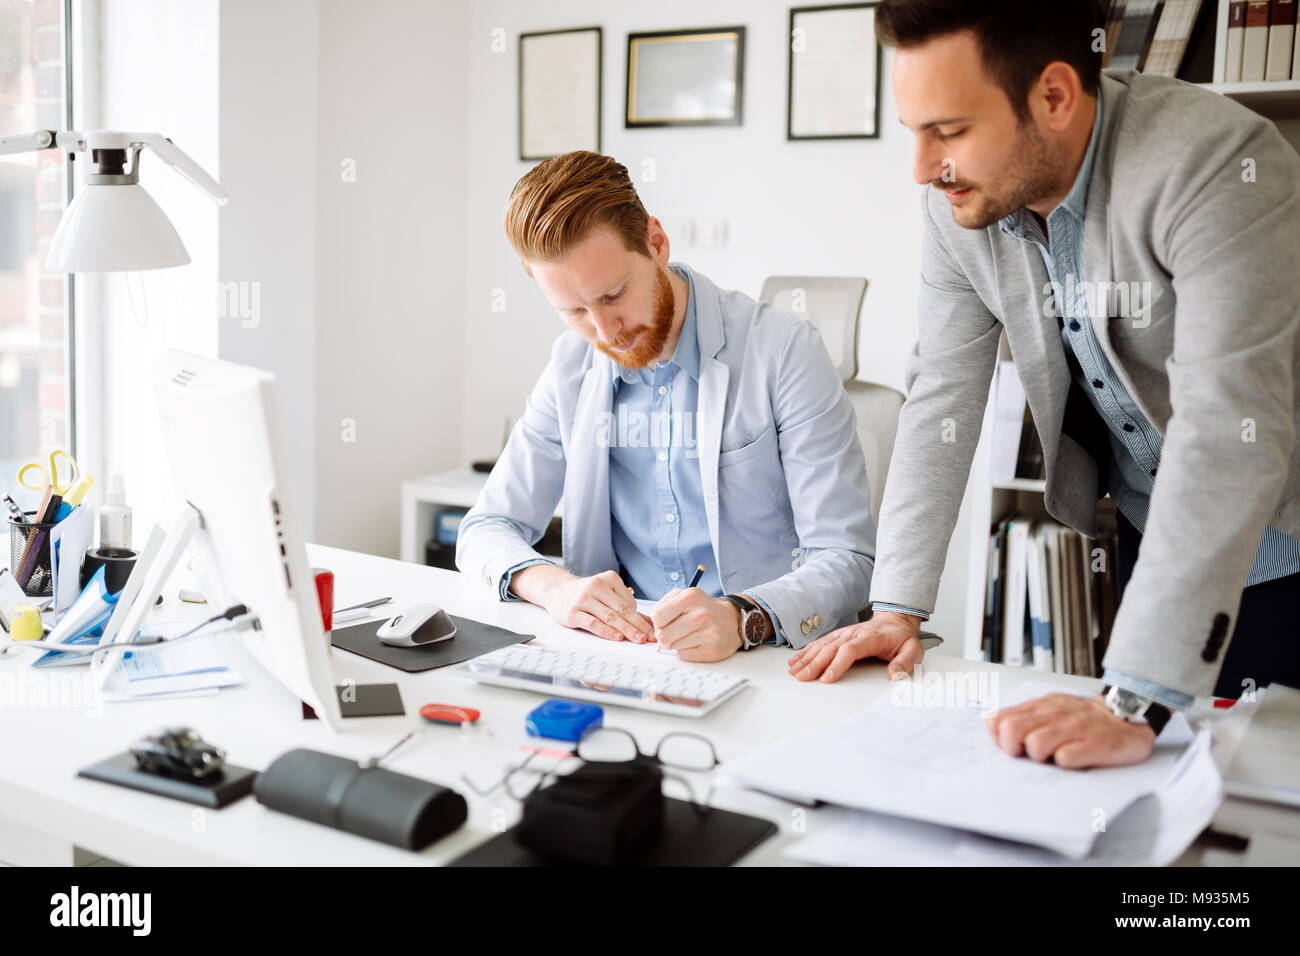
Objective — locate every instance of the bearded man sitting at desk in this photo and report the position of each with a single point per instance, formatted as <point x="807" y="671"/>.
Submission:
<point x="683" y="426"/>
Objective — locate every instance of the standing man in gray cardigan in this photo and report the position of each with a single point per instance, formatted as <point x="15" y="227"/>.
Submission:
<point x="1138" y="240"/>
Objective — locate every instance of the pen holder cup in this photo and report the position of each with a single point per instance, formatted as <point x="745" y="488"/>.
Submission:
<point x="29" y="555"/>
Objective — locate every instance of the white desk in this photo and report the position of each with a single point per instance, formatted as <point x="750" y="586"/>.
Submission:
<point x="43" y="747"/>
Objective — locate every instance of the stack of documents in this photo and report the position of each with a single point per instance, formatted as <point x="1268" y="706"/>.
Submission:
<point x="1266" y="764"/>
<point x="195" y="666"/>
<point x="940" y="767"/>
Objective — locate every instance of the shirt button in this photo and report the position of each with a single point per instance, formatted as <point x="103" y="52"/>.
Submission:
<point x="1098" y="383"/>
<point x="674" y="576"/>
<point x="1153" y="472"/>
<point x="1074" y="325"/>
<point x="663" y="389"/>
<point x="670" y="518"/>
<point x="1128" y="427"/>
<point x="663" y="456"/>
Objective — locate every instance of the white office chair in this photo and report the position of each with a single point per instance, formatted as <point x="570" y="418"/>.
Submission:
<point x="834" y="306"/>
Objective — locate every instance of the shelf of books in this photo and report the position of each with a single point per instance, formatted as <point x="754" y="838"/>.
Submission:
<point x="1242" y="49"/>
<point x="1041" y="595"/>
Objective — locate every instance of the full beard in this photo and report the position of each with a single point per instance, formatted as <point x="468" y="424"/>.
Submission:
<point x="653" y="337"/>
<point x="1034" y="174"/>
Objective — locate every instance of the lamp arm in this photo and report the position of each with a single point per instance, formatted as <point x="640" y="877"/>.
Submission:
<point x="76" y="142"/>
<point x="179" y="160"/>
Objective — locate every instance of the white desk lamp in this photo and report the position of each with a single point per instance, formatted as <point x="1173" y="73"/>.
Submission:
<point x="112" y="224"/>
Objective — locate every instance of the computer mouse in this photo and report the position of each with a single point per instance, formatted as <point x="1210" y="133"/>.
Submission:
<point x="419" y="624"/>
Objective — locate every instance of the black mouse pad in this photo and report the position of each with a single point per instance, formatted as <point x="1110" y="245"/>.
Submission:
<point x="472" y="639"/>
<point x="717" y="838"/>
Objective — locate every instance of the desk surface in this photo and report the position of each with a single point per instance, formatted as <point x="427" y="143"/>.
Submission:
<point x="62" y="729"/>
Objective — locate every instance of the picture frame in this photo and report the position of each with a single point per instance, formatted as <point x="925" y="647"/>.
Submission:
<point x="685" y="78"/>
<point x="560" y="102"/>
<point x="831" y="93"/>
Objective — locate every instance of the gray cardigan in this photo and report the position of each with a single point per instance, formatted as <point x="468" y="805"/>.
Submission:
<point x="1199" y="197"/>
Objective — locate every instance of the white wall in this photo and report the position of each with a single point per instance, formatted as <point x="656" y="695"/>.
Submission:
<point x="265" y="307"/>
<point x="391" y="358"/>
<point x="157" y="72"/>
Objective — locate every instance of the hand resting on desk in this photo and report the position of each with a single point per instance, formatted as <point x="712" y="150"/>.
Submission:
<point x="600" y="604"/>
<point x="888" y="635"/>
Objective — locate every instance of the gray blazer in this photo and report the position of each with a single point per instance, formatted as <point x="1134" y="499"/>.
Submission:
<point x="1210" y="355"/>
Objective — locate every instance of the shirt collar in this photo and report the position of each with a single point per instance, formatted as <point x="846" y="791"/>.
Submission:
<point x="1076" y="200"/>
<point x="686" y="356"/>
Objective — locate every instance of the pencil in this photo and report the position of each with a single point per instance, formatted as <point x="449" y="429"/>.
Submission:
<point x="695" y="578"/>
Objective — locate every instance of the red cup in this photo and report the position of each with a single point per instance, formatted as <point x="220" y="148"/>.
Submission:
<point x="325" y="592"/>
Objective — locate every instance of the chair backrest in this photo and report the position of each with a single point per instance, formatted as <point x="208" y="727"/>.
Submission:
<point x="834" y="306"/>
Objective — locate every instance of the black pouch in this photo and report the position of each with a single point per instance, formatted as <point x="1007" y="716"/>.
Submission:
<point x="374" y="803"/>
<point x="602" y="814"/>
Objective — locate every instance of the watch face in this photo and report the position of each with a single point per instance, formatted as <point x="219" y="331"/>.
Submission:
<point x="754" y="627"/>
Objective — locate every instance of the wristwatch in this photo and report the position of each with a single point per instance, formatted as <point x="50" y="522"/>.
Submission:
<point x="753" y="622"/>
<point x="1136" y="709"/>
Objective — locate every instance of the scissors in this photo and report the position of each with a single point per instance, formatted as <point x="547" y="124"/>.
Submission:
<point x="51" y="477"/>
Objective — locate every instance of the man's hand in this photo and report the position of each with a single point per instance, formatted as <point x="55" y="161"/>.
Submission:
<point x="601" y="604"/>
<point x="890" y="636"/>
<point x="696" y="626"/>
<point x="1074" y="732"/>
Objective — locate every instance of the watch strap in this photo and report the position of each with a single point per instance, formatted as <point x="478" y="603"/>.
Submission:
<point x="1156" y="715"/>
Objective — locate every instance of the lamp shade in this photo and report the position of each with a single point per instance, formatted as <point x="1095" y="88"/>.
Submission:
<point x="114" y="228"/>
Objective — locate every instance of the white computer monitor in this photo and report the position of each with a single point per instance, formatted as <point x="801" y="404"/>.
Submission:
<point x="224" y="441"/>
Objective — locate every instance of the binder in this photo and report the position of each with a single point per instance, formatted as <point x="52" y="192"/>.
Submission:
<point x="1281" y="39"/>
<point x="1236" y="39"/>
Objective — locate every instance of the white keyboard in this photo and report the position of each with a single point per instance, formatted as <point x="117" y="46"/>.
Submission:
<point x="606" y="679"/>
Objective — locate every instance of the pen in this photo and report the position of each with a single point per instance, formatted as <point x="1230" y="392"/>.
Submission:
<point x="364" y="604"/>
<point x="695" y="578"/>
<point x="357" y="611"/>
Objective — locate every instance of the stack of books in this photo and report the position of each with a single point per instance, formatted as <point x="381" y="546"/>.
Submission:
<point x="1261" y="41"/>
<point x="1051" y="597"/>
<point x="1157" y="36"/>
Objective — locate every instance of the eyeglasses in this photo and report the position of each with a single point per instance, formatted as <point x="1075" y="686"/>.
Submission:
<point x="677" y="753"/>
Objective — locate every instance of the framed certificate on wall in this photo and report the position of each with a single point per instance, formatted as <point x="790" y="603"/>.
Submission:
<point x="834" y="77"/>
<point x="685" y="77"/>
<point x="559" y="92"/>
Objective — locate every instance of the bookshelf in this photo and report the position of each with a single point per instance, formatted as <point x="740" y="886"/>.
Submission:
<point x="1276" y="99"/>
<point x="991" y="501"/>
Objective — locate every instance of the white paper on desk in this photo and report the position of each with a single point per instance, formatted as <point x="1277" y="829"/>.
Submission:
<point x="118" y="688"/>
<point x="198" y="655"/>
<point x="198" y="665"/>
<point x="70" y="539"/>
<point x="1154" y="831"/>
<point x="1266" y="764"/>
<point x="647" y="608"/>
<point x="940" y="765"/>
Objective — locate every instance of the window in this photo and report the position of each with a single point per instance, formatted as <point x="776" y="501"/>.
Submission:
<point x="35" y="306"/>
